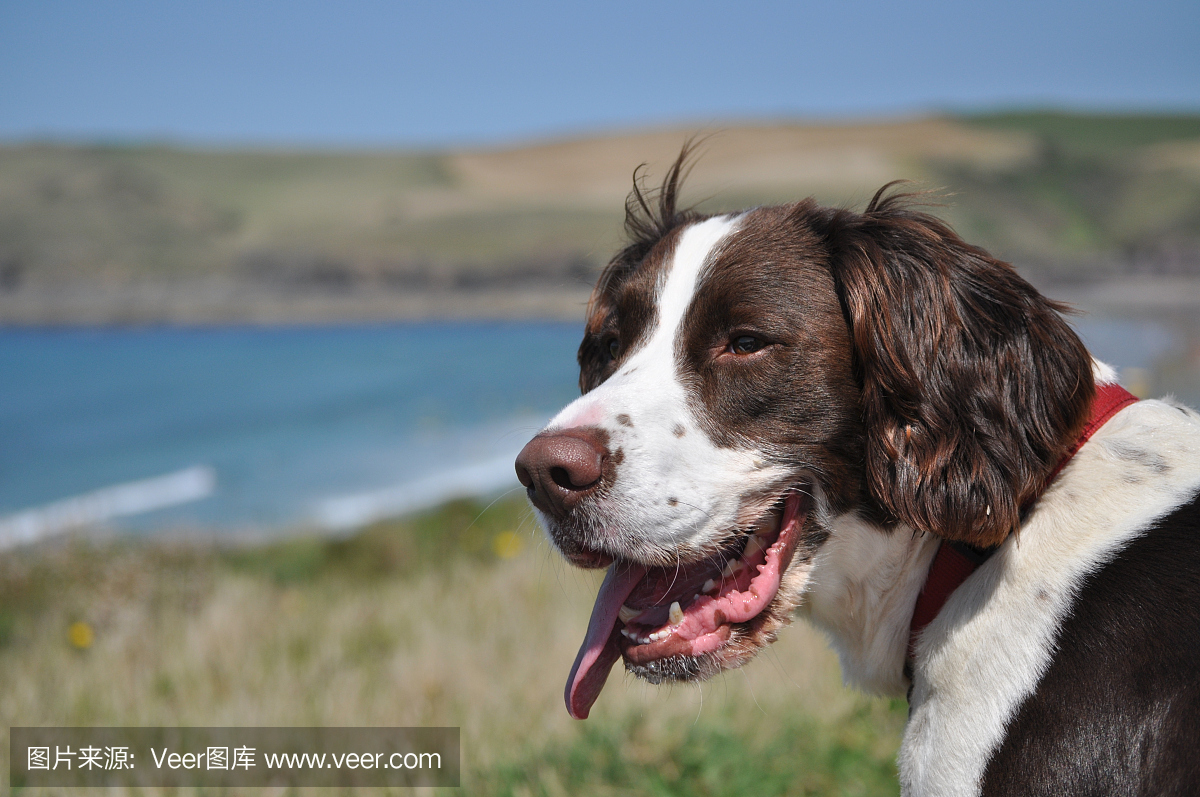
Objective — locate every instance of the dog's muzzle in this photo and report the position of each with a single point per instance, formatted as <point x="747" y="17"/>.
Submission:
<point x="559" y="471"/>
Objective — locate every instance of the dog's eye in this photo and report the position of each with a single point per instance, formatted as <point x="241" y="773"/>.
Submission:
<point x="614" y="348"/>
<point x="745" y="344"/>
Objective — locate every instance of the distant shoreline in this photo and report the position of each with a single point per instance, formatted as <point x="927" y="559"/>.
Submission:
<point x="220" y="302"/>
<point x="1126" y="293"/>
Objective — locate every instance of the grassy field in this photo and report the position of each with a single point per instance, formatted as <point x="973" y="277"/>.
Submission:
<point x="458" y="617"/>
<point x="1069" y="196"/>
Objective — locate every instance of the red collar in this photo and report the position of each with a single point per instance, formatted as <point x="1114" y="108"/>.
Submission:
<point x="955" y="561"/>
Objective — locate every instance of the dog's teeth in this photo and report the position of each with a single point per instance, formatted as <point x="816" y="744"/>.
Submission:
<point x="628" y="634"/>
<point x="626" y="613"/>
<point x="754" y="545"/>
<point x="731" y="567"/>
<point x="676" y="613"/>
<point x="709" y="586"/>
<point x="661" y="634"/>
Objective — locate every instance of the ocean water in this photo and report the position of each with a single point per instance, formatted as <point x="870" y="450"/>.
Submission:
<point x="250" y="429"/>
<point x="257" y="428"/>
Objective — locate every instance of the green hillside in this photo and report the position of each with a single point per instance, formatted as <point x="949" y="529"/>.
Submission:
<point x="1068" y="196"/>
<point x="1101" y="195"/>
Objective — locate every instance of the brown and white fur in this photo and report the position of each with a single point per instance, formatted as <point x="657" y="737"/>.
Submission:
<point x="910" y="389"/>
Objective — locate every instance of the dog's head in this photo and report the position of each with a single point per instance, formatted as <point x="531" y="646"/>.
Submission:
<point x="749" y="377"/>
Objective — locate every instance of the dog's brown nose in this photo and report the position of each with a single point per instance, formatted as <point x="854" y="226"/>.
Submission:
<point x="560" y="468"/>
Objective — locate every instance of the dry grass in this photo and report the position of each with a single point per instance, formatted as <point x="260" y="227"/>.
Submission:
<point x="352" y="634"/>
<point x="834" y="161"/>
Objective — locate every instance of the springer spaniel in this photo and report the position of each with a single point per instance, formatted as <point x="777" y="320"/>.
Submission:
<point x="860" y="418"/>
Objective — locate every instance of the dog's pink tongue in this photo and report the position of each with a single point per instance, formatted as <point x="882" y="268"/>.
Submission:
<point x="600" y="650"/>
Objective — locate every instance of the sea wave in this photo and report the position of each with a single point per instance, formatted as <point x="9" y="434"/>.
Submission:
<point x="98" y="506"/>
<point x="347" y="512"/>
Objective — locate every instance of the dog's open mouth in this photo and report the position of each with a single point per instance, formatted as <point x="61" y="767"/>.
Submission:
<point x="650" y="614"/>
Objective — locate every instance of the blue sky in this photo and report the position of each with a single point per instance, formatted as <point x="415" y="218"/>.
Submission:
<point x="446" y="73"/>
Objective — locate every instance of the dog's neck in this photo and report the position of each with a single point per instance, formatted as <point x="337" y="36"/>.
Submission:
<point x="861" y="592"/>
<point x="865" y="583"/>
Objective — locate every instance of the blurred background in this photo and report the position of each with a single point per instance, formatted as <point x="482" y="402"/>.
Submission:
<point x="284" y="287"/>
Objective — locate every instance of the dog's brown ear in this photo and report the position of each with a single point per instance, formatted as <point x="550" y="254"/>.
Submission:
<point x="973" y="386"/>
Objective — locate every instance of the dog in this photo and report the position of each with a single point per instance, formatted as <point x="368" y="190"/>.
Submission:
<point x="861" y="419"/>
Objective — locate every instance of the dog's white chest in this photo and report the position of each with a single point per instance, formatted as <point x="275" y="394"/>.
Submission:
<point x="988" y="648"/>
